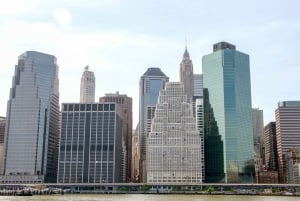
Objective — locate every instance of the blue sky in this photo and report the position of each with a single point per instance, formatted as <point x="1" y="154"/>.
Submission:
<point x="120" y="39"/>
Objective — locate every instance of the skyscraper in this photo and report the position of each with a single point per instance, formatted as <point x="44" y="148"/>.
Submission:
<point x="151" y="83"/>
<point x="125" y="104"/>
<point x="226" y="75"/>
<point x="174" y="144"/>
<point x="258" y="131"/>
<point x="32" y="126"/>
<point x="213" y="145"/>
<point x="271" y="153"/>
<point x="287" y="133"/>
<point x="92" y="145"/>
<point x="187" y="75"/>
<point x="198" y="85"/>
<point x="2" y="131"/>
<point x="87" y="86"/>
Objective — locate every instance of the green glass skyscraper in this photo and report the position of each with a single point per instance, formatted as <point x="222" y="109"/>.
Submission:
<point x="226" y="75"/>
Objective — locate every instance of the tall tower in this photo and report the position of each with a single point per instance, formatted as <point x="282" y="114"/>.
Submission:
<point x="287" y="133"/>
<point x="125" y="104"/>
<point x="174" y="144"/>
<point x="187" y="75"/>
<point x="151" y="83"/>
<point x="271" y="154"/>
<point x="258" y="131"/>
<point x="226" y="75"/>
<point x="87" y="86"/>
<point x="32" y="124"/>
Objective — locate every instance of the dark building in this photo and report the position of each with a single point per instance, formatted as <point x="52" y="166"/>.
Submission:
<point x="271" y="154"/>
<point x="213" y="145"/>
<point x="92" y="144"/>
<point x="125" y="104"/>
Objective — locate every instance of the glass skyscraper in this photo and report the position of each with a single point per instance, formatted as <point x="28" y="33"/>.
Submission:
<point x="151" y="82"/>
<point x="32" y="126"/>
<point x="226" y="75"/>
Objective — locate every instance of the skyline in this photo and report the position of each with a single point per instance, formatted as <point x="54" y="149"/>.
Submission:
<point x="120" y="39"/>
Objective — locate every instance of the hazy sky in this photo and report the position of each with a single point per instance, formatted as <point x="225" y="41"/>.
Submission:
<point x="120" y="39"/>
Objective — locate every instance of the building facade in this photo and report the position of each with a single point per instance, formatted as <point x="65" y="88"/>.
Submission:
<point x="187" y="75"/>
<point x="92" y="144"/>
<point x="271" y="153"/>
<point x="2" y="131"/>
<point x="125" y="104"/>
<point x="258" y="131"/>
<point x="198" y="85"/>
<point x="226" y="75"/>
<point x="213" y="145"/>
<point x="32" y="124"/>
<point x="151" y="82"/>
<point x="287" y="133"/>
<point x="293" y="166"/>
<point x="174" y="144"/>
<point x="87" y="86"/>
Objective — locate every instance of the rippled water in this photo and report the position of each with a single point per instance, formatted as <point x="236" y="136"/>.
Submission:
<point x="143" y="197"/>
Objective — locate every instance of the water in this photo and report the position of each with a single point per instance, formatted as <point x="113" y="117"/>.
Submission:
<point x="143" y="197"/>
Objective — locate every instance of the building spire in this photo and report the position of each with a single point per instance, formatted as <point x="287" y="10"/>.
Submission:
<point x="186" y="54"/>
<point x="86" y="68"/>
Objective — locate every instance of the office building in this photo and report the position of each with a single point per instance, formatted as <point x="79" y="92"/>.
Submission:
<point x="174" y="144"/>
<point x="125" y="104"/>
<point x="293" y="166"/>
<point x="258" y="131"/>
<point x="198" y="85"/>
<point x="151" y="82"/>
<point x="92" y="144"/>
<point x="271" y="154"/>
<point x="226" y="75"/>
<point x="2" y="131"/>
<point x="32" y="124"/>
<point x="287" y="133"/>
<point x="187" y="75"/>
<point x="135" y="155"/>
<point x="213" y="145"/>
<point x="87" y="86"/>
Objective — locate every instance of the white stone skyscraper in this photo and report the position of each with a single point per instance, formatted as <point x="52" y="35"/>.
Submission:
<point x="174" y="144"/>
<point x="32" y="126"/>
<point x="187" y="75"/>
<point x="151" y="82"/>
<point x="87" y="86"/>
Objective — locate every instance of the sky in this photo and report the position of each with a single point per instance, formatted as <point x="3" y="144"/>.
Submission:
<point x="120" y="39"/>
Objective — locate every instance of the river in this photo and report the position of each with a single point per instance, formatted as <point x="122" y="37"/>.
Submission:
<point x="144" y="197"/>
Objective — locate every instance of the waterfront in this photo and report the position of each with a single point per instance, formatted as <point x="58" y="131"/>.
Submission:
<point x="145" y="197"/>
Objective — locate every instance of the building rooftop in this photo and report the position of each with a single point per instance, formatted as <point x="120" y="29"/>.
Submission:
<point x="154" y="72"/>
<point x="222" y="46"/>
<point x="289" y="104"/>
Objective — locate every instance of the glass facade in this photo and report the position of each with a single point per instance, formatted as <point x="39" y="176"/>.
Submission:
<point x="226" y="75"/>
<point x="92" y="148"/>
<point x="151" y="83"/>
<point x="32" y="129"/>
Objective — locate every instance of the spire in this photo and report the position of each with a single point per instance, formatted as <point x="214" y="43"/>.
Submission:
<point x="186" y="54"/>
<point x="86" y="68"/>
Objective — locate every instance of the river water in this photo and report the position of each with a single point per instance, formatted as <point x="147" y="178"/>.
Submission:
<point x="144" y="197"/>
